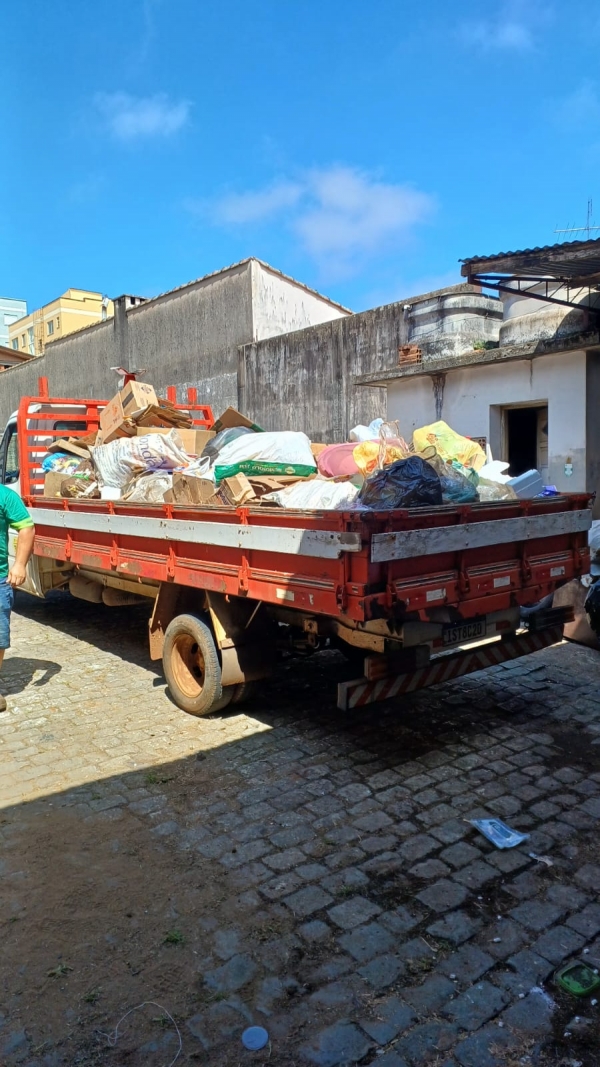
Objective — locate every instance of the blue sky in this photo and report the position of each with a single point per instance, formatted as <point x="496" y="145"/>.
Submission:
<point x="362" y="148"/>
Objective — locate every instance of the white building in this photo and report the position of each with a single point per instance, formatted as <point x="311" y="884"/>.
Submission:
<point x="535" y="398"/>
<point x="11" y="309"/>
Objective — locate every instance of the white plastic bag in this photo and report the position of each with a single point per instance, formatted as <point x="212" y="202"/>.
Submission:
<point x="594" y="539"/>
<point x="317" y="494"/>
<point x="286" y="452"/>
<point x="149" y="488"/>
<point x="366" y="433"/>
<point x="118" y="462"/>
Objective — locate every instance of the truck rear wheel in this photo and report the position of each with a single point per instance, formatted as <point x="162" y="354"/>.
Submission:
<point x="192" y="668"/>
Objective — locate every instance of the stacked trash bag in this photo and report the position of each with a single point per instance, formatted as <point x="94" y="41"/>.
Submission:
<point x="243" y="465"/>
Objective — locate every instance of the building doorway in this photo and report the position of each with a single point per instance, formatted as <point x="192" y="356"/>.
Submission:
<point x="526" y="440"/>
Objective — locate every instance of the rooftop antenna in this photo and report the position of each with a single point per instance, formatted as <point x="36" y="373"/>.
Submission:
<point x="587" y="229"/>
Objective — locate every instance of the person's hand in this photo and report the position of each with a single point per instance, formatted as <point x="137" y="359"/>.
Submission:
<point x="17" y="575"/>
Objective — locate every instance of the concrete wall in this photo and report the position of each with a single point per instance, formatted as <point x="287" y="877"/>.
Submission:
<point x="472" y="399"/>
<point x="280" y="306"/>
<point x="187" y="337"/>
<point x="305" y="380"/>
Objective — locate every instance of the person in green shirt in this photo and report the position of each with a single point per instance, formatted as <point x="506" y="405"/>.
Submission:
<point x="14" y="515"/>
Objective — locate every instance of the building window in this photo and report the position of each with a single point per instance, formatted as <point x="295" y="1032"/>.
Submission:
<point x="50" y="327"/>
<point x="15" y="343"/>
<point x="103" y="313"/>
<point x="31" y="341"/>
<point x="58" y="322"/>
<point x="23" y="340"/>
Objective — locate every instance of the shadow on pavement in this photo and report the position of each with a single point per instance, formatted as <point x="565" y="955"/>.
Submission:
<point x="18" y="672"/>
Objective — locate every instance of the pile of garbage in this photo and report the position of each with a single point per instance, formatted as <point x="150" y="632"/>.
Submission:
<point x="148" y="451"/>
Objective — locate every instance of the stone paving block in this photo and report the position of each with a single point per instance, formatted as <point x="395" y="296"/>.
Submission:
<point x="284" y="861"/>
<point x="341" y="1043"/>
<point x="424" y="1041"/>
<point x="451" y="831"/>
<point x="315" y="932"/>
<point x="308" y="900"/>
<point x="489" y="1047"/>
<point x="588" y="876"/>
<point x="390" y="1018"/>
<point x="532" y="1015"/>
<point x="525" y="885"/>
<point x="281" y="885"/>
<point x="429" y="869"/>
<point x="367" y="941"/>
<point x="428" y="998"/>
<point x="401" y="920"/>
<point x="233" y="975"/>
<point x="567" y="897"/>
<point x="503" y="938"/>
<point x="382" y="971"/>
<point x="529" y="966"/>
<point x="335" y="995"/>
<point x="417" y="848"/>
<point x="389" y="1059"/>
<point x="460" y="854"/>
<point x="377" y="820"/>
<point x="456" y="927"/>
<point x="557" y="944"/>
<point x="467" y="964"/>
<point x="476" y="1006"/>
<point x="353" y="912"/>
<point x="475" y="875"/>
<point x="378" y="843"/>
<point x="587" y="921"/>
<point x="443" y="895"/>
<point x="537" y="914"/>
<point x="508" y="860"/>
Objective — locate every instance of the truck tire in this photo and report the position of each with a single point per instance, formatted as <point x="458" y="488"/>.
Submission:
<point x="192" y="668"/>
<point x="243" y="692"/>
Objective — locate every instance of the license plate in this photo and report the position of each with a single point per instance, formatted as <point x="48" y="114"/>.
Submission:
<point x="461" y="632"/>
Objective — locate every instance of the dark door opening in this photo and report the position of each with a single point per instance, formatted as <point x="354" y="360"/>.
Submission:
<point x="527" y="439"/>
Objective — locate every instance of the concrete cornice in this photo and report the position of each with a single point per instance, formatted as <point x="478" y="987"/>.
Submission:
<point x="588" y="341"/>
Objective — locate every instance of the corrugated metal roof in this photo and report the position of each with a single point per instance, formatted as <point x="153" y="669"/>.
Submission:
<point x="568" y="259"/>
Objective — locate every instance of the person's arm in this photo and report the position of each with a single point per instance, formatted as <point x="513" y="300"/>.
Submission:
<point x="24" y="549"/>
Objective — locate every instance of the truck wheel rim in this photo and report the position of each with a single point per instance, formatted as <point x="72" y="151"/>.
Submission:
<point x="187" y="664"/>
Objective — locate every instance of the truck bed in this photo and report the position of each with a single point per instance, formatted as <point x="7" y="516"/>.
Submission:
<point x="476" y="559"/>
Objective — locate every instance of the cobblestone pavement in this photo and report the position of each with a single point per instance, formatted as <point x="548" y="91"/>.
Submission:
<point x="291" y="866"/>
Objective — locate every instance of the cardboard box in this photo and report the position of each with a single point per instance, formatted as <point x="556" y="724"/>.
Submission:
<point x="62" y="445"/>
<point x="194" y="441"/>
<point x="53" y="482"/>
<point x="134" y="397"/>
<point x="230" y="418"/>
<point x="237" y="490"/>
<point x="190" y="490"/>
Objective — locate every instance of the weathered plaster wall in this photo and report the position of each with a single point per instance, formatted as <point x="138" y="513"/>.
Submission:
<point x="187" y="337"/>
<point x="307" y="378"/>
<point x="472" y="398"/>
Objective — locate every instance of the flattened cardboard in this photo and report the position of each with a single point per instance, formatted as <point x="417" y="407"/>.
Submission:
<point x="231" y="417"/>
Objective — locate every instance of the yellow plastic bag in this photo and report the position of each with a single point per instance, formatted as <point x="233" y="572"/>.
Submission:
<point x="367" y="456"/>
<point x="449" y="444"/>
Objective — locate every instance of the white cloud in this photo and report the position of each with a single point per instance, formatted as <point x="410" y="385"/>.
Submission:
<point x="131" y="118"/>
<point x="512" y="29"/>
<point x="340" y="215"/>
<point x="253" y="207"/>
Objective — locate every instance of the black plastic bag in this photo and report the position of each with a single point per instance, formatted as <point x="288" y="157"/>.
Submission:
<point x="225" y="437"/>
<point x="592" y="607"/>
<point x="407" y="483"/>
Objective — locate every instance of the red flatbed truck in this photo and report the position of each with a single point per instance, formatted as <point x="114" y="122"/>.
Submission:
<point x="421" y="595"/>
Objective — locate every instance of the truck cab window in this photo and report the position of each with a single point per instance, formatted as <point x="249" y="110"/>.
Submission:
<point x="9" y="457"/>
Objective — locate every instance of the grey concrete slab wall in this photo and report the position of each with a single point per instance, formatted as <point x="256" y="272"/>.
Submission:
<point x="189" y="336"/>
<point x="305" y="380"/>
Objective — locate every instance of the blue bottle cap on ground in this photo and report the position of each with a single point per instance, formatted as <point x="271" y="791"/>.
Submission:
<point x="255" y="1037"/>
